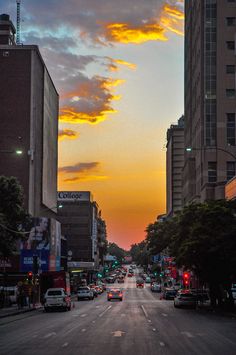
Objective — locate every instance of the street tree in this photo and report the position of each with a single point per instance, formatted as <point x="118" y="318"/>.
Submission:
<point x="115" y="250"/>
<point x="12" y="215"/>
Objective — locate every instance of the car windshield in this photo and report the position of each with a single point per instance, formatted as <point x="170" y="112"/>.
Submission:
<point x="55" y="293"/>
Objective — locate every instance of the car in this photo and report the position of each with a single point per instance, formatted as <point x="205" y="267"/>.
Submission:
<point x="10" y="293"/>
<point x="84" y="292"/>
<point x="110" y="280"/>
<point x="99" y="289"/>
<point x="140" y="283"/>
<point x="55" y="298"/>
<point x="185" y="298"/>
<point x="200" y="294"/>
<point x="115" y="293"/>
<point x="169" y="294"/>
<point x="130" y="275"/>
<point x="93" y="289"/>
<point x="148" y="280"/>
<point x="120" y="279"/>
<point x="155" y="287"/>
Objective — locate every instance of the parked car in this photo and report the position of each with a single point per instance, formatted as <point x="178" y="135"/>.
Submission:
<point x="57" y="298"/>
<point x="155" y="287"/>
<point x="130" y="274"/>
<point x="85" y="292"/>
<point x="185" y="298"/>
<point x="11" y="294"/>
<point x="169" y="294"/>
<point x="115" y="293"/>
<point x="93" y="289"/>
<point x="201" y="295"/>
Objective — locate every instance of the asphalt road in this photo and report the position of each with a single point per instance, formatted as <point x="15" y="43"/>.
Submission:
<point x="141" y="324"/>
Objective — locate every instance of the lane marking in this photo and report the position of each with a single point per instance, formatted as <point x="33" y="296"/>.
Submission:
<point x="83" y="330"/>
<point x="107" y="309"/>
<point x="65" y="345"/>
<point x="118" y="333"/>
<point x="149" y="321"/>
<point x="164" y="315"/>
<point x="154" y="329"/>
<point x="161" y="343"/>
<point x="144" y="311"/>
<point x="188" y="334"/>
<point x="83" y="315"/>
<point x="93" y="321"/>
<point x="97" y="306"/>
<point x="49" y="335"/>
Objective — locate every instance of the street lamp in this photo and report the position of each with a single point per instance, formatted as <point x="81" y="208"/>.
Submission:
<point x="190" y="149"/>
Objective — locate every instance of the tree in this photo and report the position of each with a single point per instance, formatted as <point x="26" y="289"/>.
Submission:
<point x="140" y="253"/>
<point x="12" y="214"/>
<point x="115" y="250"/>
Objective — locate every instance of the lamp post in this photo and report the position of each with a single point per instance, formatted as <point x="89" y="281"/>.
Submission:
<point x="190" y="149"/>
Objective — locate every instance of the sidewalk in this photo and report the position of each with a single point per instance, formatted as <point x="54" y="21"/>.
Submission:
<point x="206" y="308"/>
<point x="14" y="310"/>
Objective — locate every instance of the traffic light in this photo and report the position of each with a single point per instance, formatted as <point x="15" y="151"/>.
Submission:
<point x="186" y="278"/>
<point x="30" y="276"/>
<point x="99" y="275"/>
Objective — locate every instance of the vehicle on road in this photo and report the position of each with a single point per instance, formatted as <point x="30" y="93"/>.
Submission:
<point x="93" y="289"/>
<point x="115" y="294"/>
<point x="57" y="298"/>
<point x="121" y="279"/>
<point x="148" y="280"/>
<point x="130" y="274"/>
<point x="169" y="294"/>
<point x="140" y="283"/>
<point x="155" y="287"/>
<point x="54" y="279"/>
<point x="84" y="292"/>
<point x="185" y="298"/>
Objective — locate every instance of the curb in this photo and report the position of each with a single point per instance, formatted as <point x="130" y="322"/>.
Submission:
<point x="19" y="312"/>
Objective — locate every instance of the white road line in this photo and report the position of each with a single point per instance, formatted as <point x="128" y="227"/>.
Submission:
<point x="107" y="309"/>
<point x="149" y="321"/>
<point x="154" y="329"/>
<point x="83" y="330"/>
<point x="49" y="335"/>
<point x="83" y="315"/>
<point x="70" y="330"/>
<point x="97" y="306"/>
<point x="164" y="314"/>
<point x="188" y="334"/>
<point x="144" y="311"/>
<point x="65" y="345"/>
<point x="161" y="343"/>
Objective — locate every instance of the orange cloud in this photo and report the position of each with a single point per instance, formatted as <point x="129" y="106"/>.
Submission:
<point x="114" y="67"/>
<point x="67" y="133"/>
<point x="172" y="19"/>
<point x="174" y="12"/>
<point x="90" y="101"/>
<point x="125" y="33"/>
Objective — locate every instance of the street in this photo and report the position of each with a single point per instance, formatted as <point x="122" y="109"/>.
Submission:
<point x="140" y="324"/>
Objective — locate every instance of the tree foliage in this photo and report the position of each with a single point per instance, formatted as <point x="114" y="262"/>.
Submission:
<point x="202" y="238"/>
<point x="115" y="250"/>
<point x="140" y="253"/>
<point x="12" y="214"/>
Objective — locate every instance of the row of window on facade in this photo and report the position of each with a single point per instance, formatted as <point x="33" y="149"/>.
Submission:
<point x="212" y="170"/>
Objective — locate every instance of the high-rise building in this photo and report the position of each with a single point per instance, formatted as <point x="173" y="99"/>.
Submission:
<point x="28" y="121"/>
<point x="210" y="98"/>
<point x="174" y="167"/>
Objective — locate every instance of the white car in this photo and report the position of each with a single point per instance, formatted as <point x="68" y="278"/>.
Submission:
<point x="85" y="292"/>
<point x="57" y="298"/>
<point x="185" y="298"/>
<point x="155" y="287"/>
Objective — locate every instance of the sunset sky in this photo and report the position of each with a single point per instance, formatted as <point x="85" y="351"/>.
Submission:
<point x="118" y="68"/>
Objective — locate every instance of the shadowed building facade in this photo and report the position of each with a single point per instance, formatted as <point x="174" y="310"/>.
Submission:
<point x="210" y="98"/>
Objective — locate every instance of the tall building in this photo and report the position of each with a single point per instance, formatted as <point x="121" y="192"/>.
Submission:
<point x="210" y="98"/>
<point x="174" y="167"/>
<point x="28" y="121"/>
<point x="84" y="229"/>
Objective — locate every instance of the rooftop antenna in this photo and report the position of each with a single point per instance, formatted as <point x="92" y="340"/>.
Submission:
<point x="18" y="22"/>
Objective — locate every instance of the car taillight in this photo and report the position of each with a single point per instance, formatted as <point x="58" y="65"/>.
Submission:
<point x="110" y="294"/>
<point x="120" y="294"/>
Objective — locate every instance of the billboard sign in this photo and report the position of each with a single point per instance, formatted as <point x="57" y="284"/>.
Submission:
<point x="26" y="259"/>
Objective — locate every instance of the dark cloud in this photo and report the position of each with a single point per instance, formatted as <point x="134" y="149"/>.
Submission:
<point x="67" y="133"/>
<point x="80" y="167"/>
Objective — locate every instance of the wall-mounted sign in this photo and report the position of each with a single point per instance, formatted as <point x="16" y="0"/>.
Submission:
<point x="74" y="196"/>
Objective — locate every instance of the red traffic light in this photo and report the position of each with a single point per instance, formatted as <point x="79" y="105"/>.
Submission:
<point x="186" y="275"/>
<point x="30" y="274"/>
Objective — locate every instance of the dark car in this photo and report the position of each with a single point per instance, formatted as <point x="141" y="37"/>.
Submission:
<point x="169" y="294"/>
<point x="140" y="283"/>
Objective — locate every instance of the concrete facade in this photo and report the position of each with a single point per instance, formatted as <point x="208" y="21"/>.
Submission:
<point x="210" y="98"/>
<point x="28" y="121"/>
<point x="174" y="167"/>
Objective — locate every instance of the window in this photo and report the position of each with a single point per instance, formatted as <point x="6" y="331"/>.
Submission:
<point x="230" y="45"/>
<point x="230" y="128"/>
<point x="230" y="93"/>
<point x="231" y="21"/>
<point x="212" y="175"/>
<point x="230" y="69"/>
<point x="230" y="168"/>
